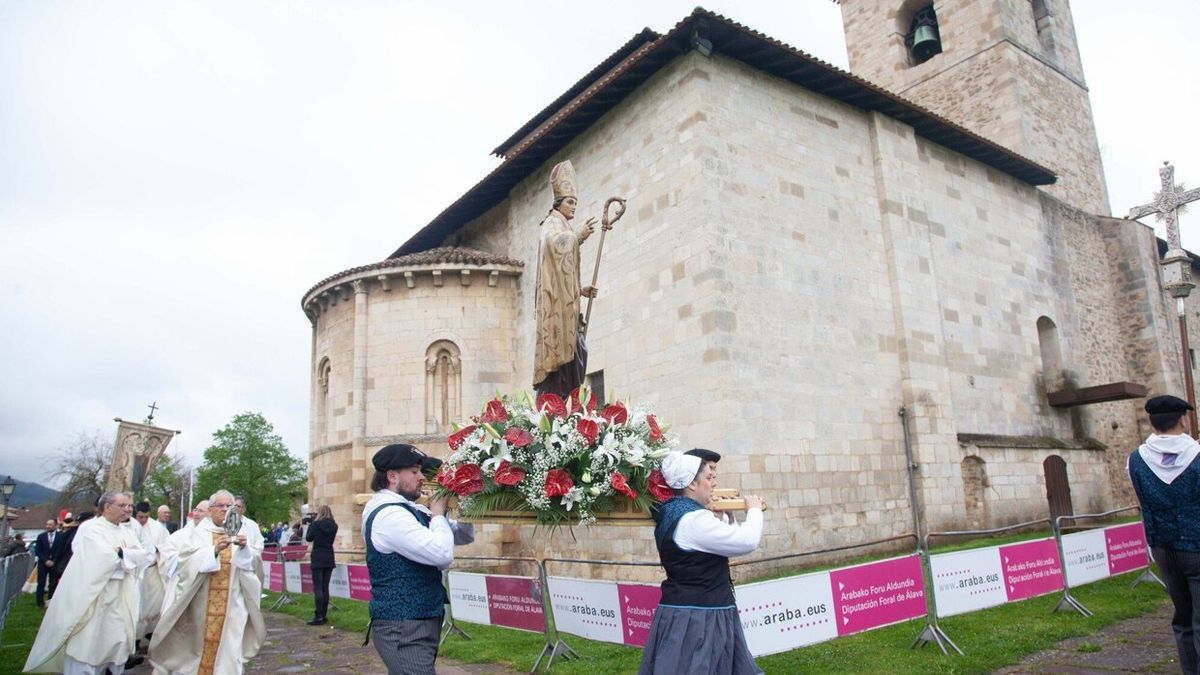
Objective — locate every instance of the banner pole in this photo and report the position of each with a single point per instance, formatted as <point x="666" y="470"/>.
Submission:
<point x="1067" y="601"/>
<point x="448" y="624"/>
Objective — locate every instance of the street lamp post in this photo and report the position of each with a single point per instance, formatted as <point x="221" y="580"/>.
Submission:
<point x="6" y="489"/>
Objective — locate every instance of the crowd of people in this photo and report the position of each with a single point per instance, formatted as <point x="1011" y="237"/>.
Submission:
<point x="123" y="587"/>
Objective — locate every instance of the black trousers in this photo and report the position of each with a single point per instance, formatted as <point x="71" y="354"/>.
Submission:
<point x="43" y="580"/>
<point x="320" y="579"/>
<point x="1181" y="573"/>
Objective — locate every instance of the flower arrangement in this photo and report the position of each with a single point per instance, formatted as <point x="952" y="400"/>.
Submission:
<point x="563" y="460"/>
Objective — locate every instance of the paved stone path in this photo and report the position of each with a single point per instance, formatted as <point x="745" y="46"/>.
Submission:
<point x="294" y="647"/>
<point x="1141" y="645"/>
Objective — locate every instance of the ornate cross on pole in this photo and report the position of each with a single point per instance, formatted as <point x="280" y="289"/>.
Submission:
<point x="153" y="406"/>
<point x="1176" y="264"/>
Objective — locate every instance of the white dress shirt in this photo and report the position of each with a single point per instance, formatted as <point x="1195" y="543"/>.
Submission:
<point x="396" y="530"/>
<point x="704" y="531"/>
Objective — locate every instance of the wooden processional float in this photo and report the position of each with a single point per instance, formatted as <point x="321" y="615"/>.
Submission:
<point x="723" y="499"/>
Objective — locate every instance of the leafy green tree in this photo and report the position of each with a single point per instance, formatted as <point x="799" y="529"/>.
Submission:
<point x="166" y="484"/>
<point x="249" y="459"/>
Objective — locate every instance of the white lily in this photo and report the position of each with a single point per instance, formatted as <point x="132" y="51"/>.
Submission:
<point x="609" y="450"/>
<point x="500" y="454"/>
<point x="573" y="496"/>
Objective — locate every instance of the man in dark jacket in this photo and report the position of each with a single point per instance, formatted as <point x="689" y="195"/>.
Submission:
<point x="45" y="563"/>
<point x="1166" y="477"/>
<point x="61" y="552"/>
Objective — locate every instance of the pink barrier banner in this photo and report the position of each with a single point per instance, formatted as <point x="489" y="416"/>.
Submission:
<point x="291" y="576"/>
<point x="339" y="583"/>
<point x="784" y="614"/>
<point x="966" y="581"/>
<point x="1085" y="557"/>
<point x="1031" y="568"/>
<point x="305" y="578"/>
<point x="878" y="594"/>
<point x="469" y="597"/>
<point x="638" y="602"/>
<point x="515" y="602"/>
<point x="589" y="609"/>
<point x="273" y="572"/>
<point x="1126" y="547"/>
<point x="360" y="582"/>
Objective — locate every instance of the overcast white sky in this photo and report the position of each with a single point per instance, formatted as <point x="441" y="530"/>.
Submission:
<point x="174" y="175"/>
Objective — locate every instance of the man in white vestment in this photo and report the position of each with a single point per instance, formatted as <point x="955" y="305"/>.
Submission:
<point x="153" y="536"/>
<point x="254" y="538"/>
<point x="89" y="628"/>
<point x="211" y="621"/>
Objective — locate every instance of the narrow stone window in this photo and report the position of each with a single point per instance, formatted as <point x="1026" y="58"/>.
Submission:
<point x="1043" y="22"/>
<point x="324" y="372"/>
<point x="443" y="386"/>
<point x="1052" y="370"/>
<point x="595" y="382"/>
<point x="975" y="484"/>
<point x="924" y="40"/>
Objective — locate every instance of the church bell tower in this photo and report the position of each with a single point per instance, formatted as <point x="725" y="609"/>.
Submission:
<point x="1008" y="70"/>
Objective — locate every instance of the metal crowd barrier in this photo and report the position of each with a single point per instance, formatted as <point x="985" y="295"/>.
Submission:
<point x="932" y="632"/>
<point x="14" y="570"/>
<point x="560" y="648"/>
<point x="1069" y="601"/>
<point x="450" y="627"/>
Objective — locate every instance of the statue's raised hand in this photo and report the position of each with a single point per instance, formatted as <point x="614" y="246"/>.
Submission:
<point x="588" y="229"/>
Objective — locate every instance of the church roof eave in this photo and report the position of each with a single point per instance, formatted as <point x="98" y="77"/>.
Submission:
<point x="444" y="259"/>
<point x="640" y="58"/>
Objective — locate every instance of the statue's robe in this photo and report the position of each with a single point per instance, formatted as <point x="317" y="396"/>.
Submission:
<point x="558" y="340"/>
<point x="211" y="621"/>
<point x="93" y="615"/>
<point x="153" y="536"/>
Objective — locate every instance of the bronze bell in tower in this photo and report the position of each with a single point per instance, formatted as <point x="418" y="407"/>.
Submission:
<point x="925" y="42"/>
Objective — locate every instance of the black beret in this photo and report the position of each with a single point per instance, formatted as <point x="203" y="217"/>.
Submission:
<point x="704" y="455"/>
<point x="1161" y="405"/>
<point x="402" y="456"/>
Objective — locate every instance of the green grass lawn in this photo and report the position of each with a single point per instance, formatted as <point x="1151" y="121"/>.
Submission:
<point x="991" y="638"/>
<point x="20" y="628"/>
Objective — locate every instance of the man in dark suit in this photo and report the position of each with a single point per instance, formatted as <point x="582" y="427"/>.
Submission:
<point x="45" y="563"/>
<point x="61" y="552"/>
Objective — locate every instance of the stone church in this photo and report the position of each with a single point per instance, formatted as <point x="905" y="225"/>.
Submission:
<point x="819" y="273"/>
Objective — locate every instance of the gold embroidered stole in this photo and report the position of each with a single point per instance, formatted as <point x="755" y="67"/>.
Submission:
<point x="218" y="605"/>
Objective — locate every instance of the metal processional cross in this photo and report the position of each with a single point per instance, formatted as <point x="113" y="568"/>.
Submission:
<point x="1176" y="264"/>
<point x="153" y="407"/>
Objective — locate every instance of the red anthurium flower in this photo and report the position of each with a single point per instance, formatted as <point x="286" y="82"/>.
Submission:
<point x="507" y="474"/>
<point x="468" y="479"/>
<point x="619" y="484"/>
<point x="445" y="476"/>
<point x="615" y="413"/>
<point x="588" y="429"/>
<point x="657" y="486"/>
<point x="655" y="433"/>
<point x="518" y="437"/>
<point x="457" y="438"/>
<point x="494" y="412"/>
<point x="553" y="404"/>
<point x="558" y="483"/>
<point x="577" y="406"/>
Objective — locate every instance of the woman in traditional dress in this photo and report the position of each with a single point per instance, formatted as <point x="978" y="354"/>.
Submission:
<point x="321" y="532"/>
<point x="696" y="628"/>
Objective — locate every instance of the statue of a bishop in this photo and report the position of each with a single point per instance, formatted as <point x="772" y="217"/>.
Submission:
<point x="559" y="355"/>
<point x="211" y="621"/>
